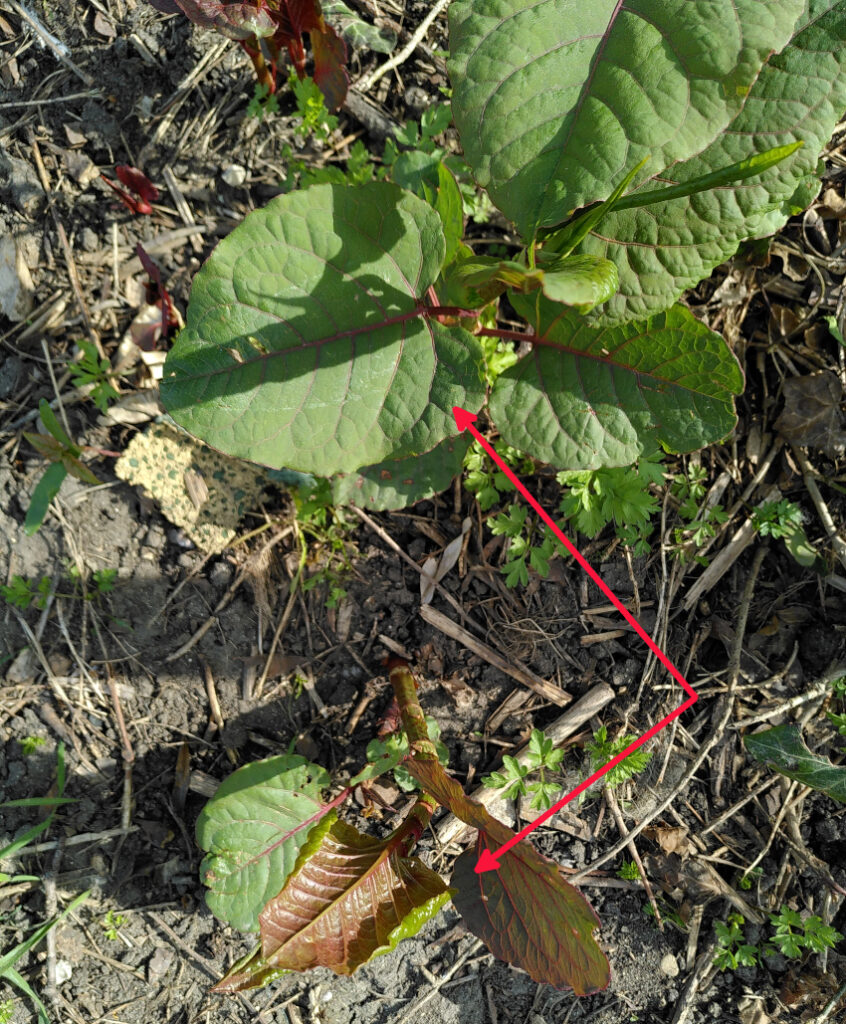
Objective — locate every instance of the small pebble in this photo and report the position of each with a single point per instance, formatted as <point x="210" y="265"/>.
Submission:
<point x="669" y="966"/>
<point x="234" y="175"/>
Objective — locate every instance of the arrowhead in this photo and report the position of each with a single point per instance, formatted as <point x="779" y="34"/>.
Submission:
<point x="463" y="418"/>
<point x="486" y="861"/>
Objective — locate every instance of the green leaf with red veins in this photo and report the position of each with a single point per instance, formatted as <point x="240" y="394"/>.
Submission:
<point x="304" y="347"/>
<point x="351" y="898"/>
<point x="525" y="912"/>
<point x="253" y="829"/>
<point x="588" y="397"/>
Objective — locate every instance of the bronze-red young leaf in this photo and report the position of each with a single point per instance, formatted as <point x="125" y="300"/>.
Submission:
<point x="525" y="913"/>
<point x="350" y="898"/>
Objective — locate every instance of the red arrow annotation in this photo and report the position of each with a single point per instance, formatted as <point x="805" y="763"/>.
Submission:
<point x="490" y="861"/>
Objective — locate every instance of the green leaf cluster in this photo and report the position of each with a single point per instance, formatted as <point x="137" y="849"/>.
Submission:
<point x="541" y="757"/>
<point x="620" y="496"/>
<point x="384" y="755"/>
<point x="333" y="330"/>
<point x="602" y="750"/>
<point x="92" y="371"/>
<point x="21" y="592"/>
<point x="777" y="518"/>
<point x="64" y="457"/>
<point x="792" y="936"/>
<point x="733" y="950"/>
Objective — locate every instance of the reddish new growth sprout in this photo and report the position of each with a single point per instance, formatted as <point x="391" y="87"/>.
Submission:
<point x="157" y="295"/>
<point x="138" y="182"/>
<point x="265" y="27"/>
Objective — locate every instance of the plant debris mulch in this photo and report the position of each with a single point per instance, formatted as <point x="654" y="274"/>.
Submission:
<point x="217" y="659"/>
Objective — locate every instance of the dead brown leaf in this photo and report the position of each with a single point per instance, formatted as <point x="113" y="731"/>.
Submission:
<point x="811" y="414"/>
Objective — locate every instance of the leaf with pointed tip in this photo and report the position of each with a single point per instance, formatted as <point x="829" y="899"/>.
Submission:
<point x="351" y="898"/>
<point x="662" y="250"/>
<point x="783" y="749"/>
<point x="397" y="483"/>
<point x="555" y="100"/>
<point x="525" y="912"/>
<point x="304" y="347"/>
<point x="252" y="830"/>
<point x="587" y="398"/>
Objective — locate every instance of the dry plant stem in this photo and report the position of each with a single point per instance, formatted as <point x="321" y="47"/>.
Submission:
<point x="439" y="983"/>
<point x="66" y="249"/>
<point x="809" y="476"/>
<point x="364" y="85"/>
<point x="214" y="704"/>
<point x="817" y="689"/>
<point x="54" y="44"/>
<point x="277" y="633"/>
<point x="721" y="718"/>
<point x="611" y="800"/>
<point x="831" y="1006"/>
<point x="782" y="811"/>
<point x="700" y="978"/>
<point x="515" y="669"/>
<point x="51" y="908"/>
<point x="84" y="837"/>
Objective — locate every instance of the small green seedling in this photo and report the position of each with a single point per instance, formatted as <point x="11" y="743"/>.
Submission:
<point x="21" y="592"/>
<point x="95" y="373"/>
<point x="29" y="744"/>
<point x="314" y="120"/>
<point x="733" y="950"/>
<point x="263" y="102"/>
<point x="793" y="935"/>
<point x="541" y="758"/>
<point x="748" y="879"/>
<point x="602" y="750"/>
<point x="111" y="925"/>
<point x="63" y="456"/>
<point x="629" y="870"/>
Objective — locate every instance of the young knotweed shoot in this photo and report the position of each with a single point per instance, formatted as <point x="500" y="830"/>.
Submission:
<point x="345" y="287"/>
<point x="302" y="877"/>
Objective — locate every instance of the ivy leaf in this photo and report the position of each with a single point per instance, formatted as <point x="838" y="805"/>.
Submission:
<point x="587" y="398"/>
<point x="303" y="346"/>
<point x="351" y="898"/>
<point x="666" y="248"/>
<point x="525" y="912"/>
<point x="252" y="830"/>
<point x="783" y="749"/>
<point x="554" y="101"/>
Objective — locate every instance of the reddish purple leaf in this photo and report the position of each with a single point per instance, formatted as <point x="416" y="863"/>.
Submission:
<point x="157" y="295"/>
<point x="234" y="20"/>
<point x="351" y="897"/>
<point x="330" y="57"/>
<point x="138" y="182"/>
<point x="526" y="912"/>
